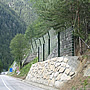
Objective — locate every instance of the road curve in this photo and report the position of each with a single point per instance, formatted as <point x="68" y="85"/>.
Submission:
<point x="11" y="83"/>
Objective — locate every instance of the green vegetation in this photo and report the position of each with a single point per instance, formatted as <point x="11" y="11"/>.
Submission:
<point x="18" y="48"/>
<point x="10" y="25"/>
<point x="73" y="88"/>
<point x="23" y="8"/>
<point x="1" y="66"/>
<point x="35" y="30"/>
<point x="24" y="71"/>
<point x="84" y="85"/>
<point x="61" y="14"/>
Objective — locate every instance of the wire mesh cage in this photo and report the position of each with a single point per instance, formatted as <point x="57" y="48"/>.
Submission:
<point x="48" y="45"/>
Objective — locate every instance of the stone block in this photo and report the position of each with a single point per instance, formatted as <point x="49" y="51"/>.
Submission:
<point x="43" y="69"/>
<point x="39" y="76"/>
<point x="62" y="69"/>
<point x="42" y="64"/>
<point x="51" y="76"/>
<point x="39" y="68"/>
<point x="33" y="65"/>
<point x="49" y="81"/>
<point x="40" y="72"/>
<point x="63" y="64"/>
<point x="27" y="78"/>
<point x="65" y="60"/>
<point x="48" y="61"/>
<point x="64" y="77"/>
<point x="56" y="74"/>
<point x="46" y="64"/>
<point x="31" y="68"/>
<point x="40" y="80"/>
<point x="35" y="68"/>
<point x="50" y="72"/>
<point x="46" y="77"/>
<point x="52" y="82"/>
<point x="54" y="59"/>
<point x="58" y="84"/>
<point x="72" y="73"/>
<point x="51" y="63"/>
<point x="34" y="79"/>
<point x="52" y="67"/>
<point x="58" y="68"/>
<point x="67" y="66"/>
<point x="58" y="77"/>
<point x="87" y="70"/>
<point x="57" y="64"/>
<point x="60" y="59"/>
<point x="45" y="82"/>
<point x="67" y="71"/>
<point x="30" y="76"/>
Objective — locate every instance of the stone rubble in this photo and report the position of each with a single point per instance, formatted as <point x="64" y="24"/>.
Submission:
<point x="53" y="72"/>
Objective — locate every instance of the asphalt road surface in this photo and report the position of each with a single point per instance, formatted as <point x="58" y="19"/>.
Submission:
<point x="10" y="83"/>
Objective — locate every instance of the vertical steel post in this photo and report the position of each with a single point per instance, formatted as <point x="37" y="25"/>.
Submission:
<point x="48" y="44"/>
<point x="80" y="45"/>
<point x="43" y="49"/>
<point x="38" y="55"/>
<point x="43" y="52"/>
<point x="72" y="42"/>
<point x="58" y="44"/>
<point x="39" y="52"/>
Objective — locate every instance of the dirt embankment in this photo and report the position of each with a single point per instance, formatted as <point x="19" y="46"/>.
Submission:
<point x="79" y="82"/>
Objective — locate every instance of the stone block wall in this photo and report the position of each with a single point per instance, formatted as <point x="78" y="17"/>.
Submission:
<point x="54" y="72"/>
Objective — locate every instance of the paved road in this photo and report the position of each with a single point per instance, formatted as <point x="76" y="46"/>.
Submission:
<point x="10" y="83"/>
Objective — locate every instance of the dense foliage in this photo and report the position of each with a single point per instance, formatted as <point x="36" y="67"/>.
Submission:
<point x="64" y="13"/>
<point x="23" y="8"/>
<point x="35" y="30"/>
<point x="60" y="14"/>
<point x="18" y="47"/>
<point x="1" y="66"/>
<point x="10" y="25"/>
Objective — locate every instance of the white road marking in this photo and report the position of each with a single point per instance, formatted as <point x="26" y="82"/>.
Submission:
<point x="5" y="84"/>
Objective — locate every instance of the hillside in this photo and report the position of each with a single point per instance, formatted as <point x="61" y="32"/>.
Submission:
<point x="10" y="25"/>
<point x="23" y="8"/>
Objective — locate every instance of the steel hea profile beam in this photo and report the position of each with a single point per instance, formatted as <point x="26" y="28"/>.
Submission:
<point x="43" y="49"/>
<point x="49" y="44"/>
<point x="58" y="44"/>
<point x="38" y="54"/>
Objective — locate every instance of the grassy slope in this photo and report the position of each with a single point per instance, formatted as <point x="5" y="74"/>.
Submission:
<point x="24" y="71"/>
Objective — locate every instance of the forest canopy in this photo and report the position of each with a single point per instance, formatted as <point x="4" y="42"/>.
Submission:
<point x="10" y="25"/>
